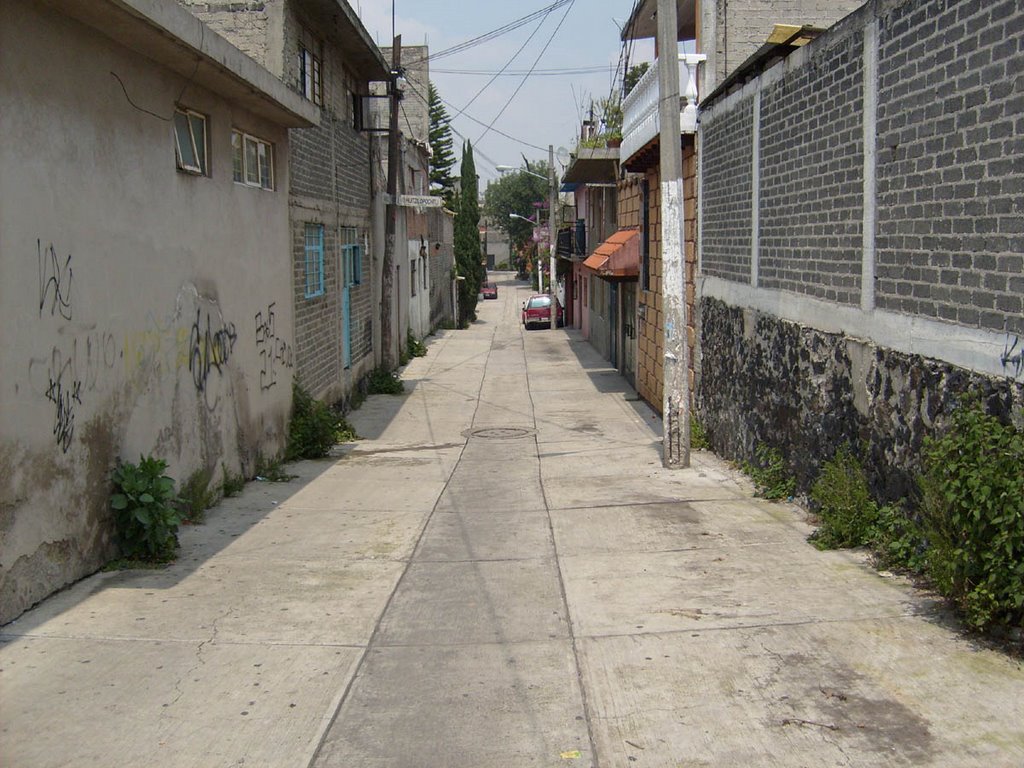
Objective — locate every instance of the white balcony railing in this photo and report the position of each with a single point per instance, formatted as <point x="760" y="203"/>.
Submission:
<point x="640" y="119"/>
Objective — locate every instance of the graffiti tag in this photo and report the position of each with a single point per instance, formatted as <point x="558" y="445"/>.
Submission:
<point x="54" y="281"/>
<point x="65" y="392"/>
<point x="273" y="351"/>
<point x="1013" y="356"/>
<point x="210" y="348"/>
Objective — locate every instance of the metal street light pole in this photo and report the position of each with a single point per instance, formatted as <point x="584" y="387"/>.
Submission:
<point x="537" y="259"/>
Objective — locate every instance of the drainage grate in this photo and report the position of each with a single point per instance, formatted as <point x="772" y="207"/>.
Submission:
<point x="499" y="433"/>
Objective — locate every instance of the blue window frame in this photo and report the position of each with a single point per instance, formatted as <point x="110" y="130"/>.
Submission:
<point x="314" y="260"/>
<point x="352" y="256"/>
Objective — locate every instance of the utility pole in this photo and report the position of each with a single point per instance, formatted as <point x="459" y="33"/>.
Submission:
<point x="391" y="216"/>
<point x="552" y="234"/>
<point x="676" y="384"/>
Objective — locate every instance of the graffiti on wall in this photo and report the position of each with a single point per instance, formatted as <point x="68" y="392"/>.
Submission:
<point x="1012" y="358"/>
<point x="54" y="281"/>
<point x="274" y="351"/>
<point x="211" y="343"/>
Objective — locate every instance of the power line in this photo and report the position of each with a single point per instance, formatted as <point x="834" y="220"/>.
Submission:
<point x="487" y="36"/>
<point x="527" y="76"/>
<point x="536" y="73"/>
<point x="514" y="57"/>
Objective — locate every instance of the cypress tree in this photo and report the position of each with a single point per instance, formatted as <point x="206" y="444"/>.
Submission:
<point x="467" y="238"/>
<point x="442" y="160"/>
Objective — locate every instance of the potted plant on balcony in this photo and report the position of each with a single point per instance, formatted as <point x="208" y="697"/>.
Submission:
<point x="611" y="120"/>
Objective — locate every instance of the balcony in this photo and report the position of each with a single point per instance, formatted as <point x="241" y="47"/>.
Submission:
<point x="641" y="122"/>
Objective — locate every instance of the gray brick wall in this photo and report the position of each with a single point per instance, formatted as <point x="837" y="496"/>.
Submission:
<point x="951" y="162"/>
<point x="727" y="194"/>
<point x="812" y="181"/>
<point x="245" y="24"/>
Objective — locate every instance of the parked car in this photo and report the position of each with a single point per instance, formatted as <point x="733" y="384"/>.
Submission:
<point x="490" y="291"/>
<point x="537" y="311"/>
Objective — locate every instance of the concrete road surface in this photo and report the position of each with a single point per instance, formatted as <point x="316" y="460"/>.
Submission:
<point x="501" y="574"/>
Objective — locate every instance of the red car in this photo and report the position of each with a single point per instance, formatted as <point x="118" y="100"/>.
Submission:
<point x="490" y="291"/>
<point x="537" y="311"/>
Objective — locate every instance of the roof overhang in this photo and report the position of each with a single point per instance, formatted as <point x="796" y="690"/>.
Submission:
<point x="643" y="22"/>
<point x="618" y="257"/>
<point x="169" y="35"/>
<point x="783" y="40"/>
<point x="337" y="21"/>
<point x="593" y="164"/>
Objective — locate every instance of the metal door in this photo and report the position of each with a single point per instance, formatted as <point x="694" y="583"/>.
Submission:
<point x="348" y="254"/>
<point x="629" y="332"/>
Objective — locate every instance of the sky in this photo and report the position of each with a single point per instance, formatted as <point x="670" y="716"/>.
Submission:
<point x="548" y="109"/>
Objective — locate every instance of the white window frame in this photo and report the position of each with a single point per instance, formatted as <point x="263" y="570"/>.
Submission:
<point x="202" y="165"/>
<point x="256" y="170"/>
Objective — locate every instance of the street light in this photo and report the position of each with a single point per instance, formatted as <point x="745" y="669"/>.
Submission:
<point x="552" y="234"/>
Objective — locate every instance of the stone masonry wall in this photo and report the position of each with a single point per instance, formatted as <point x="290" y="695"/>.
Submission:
<point x="770" y="381"/>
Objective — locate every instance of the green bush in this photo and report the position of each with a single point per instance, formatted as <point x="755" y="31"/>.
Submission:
<point x="145" y="512"/>
<point x="314" y="427"/>
<point x="898" y="540"/>
<point x="843" y="504"/>
<point x="381" y="381"/>
<point x="770" y="473"/>
<point x="414" y="347"/>
<point x="232" y="484"/>
<point x="698" y="435"/>
<point x="973" y="516"/>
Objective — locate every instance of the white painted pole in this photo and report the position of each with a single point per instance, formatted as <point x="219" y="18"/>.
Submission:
<point x="552" y="233"/>
<point x="676" y="395"/>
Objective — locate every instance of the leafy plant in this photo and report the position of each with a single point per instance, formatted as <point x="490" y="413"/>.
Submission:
<point x="314" y="427"/>
<point x="698" y="435"/>
<point x="145" y="512"/>
<point x="196" y="496"/>
<point x="770" y="473"/>
<point x="843" y="503"/>
<point x="898" y="540"/>
<point x="973" y="516"/>
<point x="232" y="484"/>
<point x="381" y="381"/>
<point x="415" y="347"/>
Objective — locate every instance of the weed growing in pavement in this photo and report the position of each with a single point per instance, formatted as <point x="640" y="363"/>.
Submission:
<point x="232" y="484"/>
<point x="145" y="510"/>
<point x="698" y="436"/>
<point x="196" y="496"/>
<point x="381" y="381"/>
<point x="842" y="501"/>
<point x="272" y="471"/>
<point x="972" y="513"/>
<point x="315" y="427"/>
<point x="415" y="347"/>
<point x="770" y="473"/>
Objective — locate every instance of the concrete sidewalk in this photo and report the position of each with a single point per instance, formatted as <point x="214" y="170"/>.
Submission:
<point x="501" y="574"/>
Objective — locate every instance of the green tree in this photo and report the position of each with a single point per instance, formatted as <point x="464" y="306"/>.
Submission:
<point x="516" y="193"/>
<point x="442" y="160"/>
<point x="633" y="77"/>
<point x="467" y="238"/>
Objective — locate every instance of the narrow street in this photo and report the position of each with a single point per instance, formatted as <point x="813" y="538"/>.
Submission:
<point x="501" y="574"/>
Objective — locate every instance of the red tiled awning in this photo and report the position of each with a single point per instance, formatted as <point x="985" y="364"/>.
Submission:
<point x="618" y="256"/>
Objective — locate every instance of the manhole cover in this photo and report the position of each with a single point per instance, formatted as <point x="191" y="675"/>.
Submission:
<point x="499" y="433"/>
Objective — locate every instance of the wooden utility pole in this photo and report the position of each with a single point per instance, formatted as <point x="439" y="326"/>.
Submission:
<point x="676" y="395"/>
<point x="391" y="215"/>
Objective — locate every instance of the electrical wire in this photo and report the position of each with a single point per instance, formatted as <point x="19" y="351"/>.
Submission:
<point x="488" y="36"/>
<point x="527" y="76"/>
<point x="520" y="72"/>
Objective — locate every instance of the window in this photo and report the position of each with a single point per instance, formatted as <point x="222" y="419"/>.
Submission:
<point x="412" y="276"/>
<point x="314" y="260"/>
<point x="190" y="142"/>
<point x="310" y="72"/>
<point x="423" y="261"/>
<point x="253" y="160"/>
<point x="352" y="255"/>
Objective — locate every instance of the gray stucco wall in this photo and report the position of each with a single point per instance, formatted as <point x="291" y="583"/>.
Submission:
<point x="874" y="273"/>
<point x="148" y="310"/>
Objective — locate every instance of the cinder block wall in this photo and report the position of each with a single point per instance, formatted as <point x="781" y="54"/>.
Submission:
<point x="862" y="239"/>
